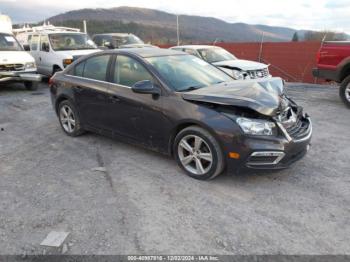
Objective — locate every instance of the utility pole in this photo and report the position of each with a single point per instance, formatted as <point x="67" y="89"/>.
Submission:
<point x="261" y="46"/>
<point x="178" y="31"/>
<point x="85" y="29"/>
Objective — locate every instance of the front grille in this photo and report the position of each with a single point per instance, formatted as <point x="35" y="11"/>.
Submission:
<point x="294" y="123"/>
<point x="299" y="130"/>
<point x="12" y="67"/>
<point x="262" y="73"/>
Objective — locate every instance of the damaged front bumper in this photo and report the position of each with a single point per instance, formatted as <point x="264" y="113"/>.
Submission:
<point x="271" y="152"/>
<point x="20" y="76"/>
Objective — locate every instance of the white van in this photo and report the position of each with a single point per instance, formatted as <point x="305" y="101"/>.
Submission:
<point x="16" y="65"/>
<point x="54" y="48"/>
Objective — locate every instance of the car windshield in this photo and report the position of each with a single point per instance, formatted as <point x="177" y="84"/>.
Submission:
<point x="9" y="43"/>
<point x="213" y="55"/>
<point x="71" y="41"/>
<point x="186" y="72"/>
<point x="127" y="40"/>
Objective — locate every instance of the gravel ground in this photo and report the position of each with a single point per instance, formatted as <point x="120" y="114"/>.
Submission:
<point x="144" y="204"/>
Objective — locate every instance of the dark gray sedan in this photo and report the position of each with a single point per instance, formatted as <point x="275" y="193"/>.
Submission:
<point x="180" y="105"/>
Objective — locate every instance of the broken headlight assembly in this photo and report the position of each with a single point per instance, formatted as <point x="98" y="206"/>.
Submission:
<point x="238" y="75"/>
<point x="257" y="127"/>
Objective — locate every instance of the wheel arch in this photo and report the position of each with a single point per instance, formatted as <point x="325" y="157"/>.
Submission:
<point x="345" y="71"/>
<point x="59" y="100"/>
<point x="187" y="123"/>
<point x="54" y="67"/>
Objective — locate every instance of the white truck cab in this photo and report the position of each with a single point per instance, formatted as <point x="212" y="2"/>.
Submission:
<point x="54" y="48"/>
<point x="16" y="65"/>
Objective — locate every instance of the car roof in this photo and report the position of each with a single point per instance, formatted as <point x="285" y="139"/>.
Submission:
<point x="146" y="52"/>
<point x="196" y="47"/>
<point x="50" y="32"/>
<point x="114" y="34"/>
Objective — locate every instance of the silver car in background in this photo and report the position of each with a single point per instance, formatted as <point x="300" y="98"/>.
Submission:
<point x="238" y="68"/>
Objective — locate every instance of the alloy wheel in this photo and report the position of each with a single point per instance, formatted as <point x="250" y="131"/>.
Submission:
<point x="195" y="154"/>
<point x="67" y="119"/>
<point x="347" y="92"/>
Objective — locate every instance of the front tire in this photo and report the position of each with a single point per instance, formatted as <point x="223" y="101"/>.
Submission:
<point x="344" y="91"/>
<point x="32" y="86"/>
<point x="69" y="119"/>
<point x="198" y="153"/>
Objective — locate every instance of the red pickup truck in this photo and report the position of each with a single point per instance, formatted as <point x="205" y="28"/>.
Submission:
<point x="333" y="64"/>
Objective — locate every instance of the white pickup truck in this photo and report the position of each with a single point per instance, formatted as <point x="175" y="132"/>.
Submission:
<point x="53" y="47"/>
<point x="16" y="65"/>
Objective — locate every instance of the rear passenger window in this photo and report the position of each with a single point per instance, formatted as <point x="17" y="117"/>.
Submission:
<point x="128" y="71"/>
<point x="96" y="67"/>
<point x="34" y="43"/>
<point x="79" y="69"/>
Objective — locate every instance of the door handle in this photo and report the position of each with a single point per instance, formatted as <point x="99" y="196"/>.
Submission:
<point x="114" y="99"/>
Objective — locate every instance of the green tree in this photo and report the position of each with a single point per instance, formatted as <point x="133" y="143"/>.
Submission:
<point x="295" y="37"/>
<point x="325" y="35"/>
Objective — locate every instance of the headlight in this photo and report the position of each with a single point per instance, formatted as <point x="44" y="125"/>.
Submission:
<point x="238" y="74"/>
<point x="30" y="65"/>
<point x="256" y="126"/>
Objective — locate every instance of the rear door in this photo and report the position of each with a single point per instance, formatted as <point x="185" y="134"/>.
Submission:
<point x="90" y="91"/>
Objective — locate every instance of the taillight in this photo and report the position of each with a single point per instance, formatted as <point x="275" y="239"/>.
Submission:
<point x="51" y="81"/>
<point x="318" y="57"/>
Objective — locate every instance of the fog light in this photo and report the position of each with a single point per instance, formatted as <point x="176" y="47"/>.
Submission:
<point x="265" y="158"/>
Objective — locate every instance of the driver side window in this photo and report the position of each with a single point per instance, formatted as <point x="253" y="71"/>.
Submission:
<point x="128" y="71"/>
<point x="44" y="43"/>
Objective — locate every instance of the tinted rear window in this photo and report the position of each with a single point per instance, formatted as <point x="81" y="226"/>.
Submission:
<point x="95" y="68"/>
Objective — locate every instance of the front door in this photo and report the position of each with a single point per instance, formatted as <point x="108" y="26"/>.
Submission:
<point x="44" y="54"/>
<point x="34" y="42"/>
<point x="137" y="116"/>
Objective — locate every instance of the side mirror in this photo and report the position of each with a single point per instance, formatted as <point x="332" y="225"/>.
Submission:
<point x="146" y="87"/>
<point x="108" y="45"/>
<point x="26" y="47"/>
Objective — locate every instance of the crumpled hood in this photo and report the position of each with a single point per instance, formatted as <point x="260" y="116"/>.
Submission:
<point x="15" y="57"/>
<point x="245" y="65"/>
<point x="262" y="96"/>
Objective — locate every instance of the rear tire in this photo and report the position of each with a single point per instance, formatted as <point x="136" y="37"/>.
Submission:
<point x="69" y="119"/>
<point x="344" y="91"/>
<point x="198" y="153"/>
<point x="31" y="85"/>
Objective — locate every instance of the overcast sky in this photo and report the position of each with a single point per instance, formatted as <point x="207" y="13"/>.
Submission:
<point x="298" y="14"/>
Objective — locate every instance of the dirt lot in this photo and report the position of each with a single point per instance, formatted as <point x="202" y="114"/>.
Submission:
<point x="145" y="204"/>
